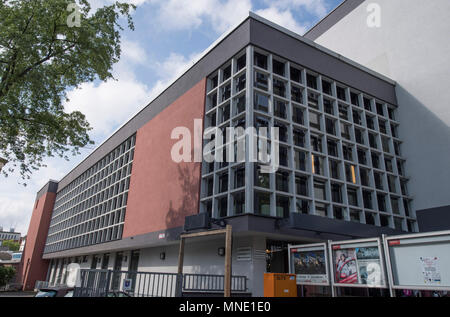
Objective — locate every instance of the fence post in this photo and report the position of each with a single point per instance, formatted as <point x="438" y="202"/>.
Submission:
<point x="179" y="285"/>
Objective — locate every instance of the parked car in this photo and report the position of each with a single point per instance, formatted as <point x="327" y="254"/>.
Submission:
<point x="55" y="292"/>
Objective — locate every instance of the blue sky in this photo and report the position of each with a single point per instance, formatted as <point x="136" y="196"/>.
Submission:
<point x="168" y="35"/>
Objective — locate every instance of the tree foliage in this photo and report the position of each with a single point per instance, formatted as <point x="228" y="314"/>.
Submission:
<point x="42" y="56"/>
<point x="6" y="274"/>
<point x="11" y="245"/>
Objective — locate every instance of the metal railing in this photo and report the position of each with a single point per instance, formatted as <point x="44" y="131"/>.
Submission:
<point x="101" y="283"/>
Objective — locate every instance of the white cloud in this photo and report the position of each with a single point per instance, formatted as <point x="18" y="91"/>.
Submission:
<point x="182" y="14"/>
<point x="283" y="18"/>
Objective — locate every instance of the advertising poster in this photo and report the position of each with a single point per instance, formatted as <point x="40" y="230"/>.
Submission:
<point x="310" y="266"/>
<point x="430" y="270"/>
<point x="359" y="265"/>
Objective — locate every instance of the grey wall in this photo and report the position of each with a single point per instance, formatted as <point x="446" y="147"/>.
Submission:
<point x="412" y="48"/>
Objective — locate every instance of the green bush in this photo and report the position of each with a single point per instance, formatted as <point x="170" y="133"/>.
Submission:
<point x="6" y="274"/>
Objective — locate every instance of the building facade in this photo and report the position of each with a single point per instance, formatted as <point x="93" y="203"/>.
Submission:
<point x="342" y="170"/>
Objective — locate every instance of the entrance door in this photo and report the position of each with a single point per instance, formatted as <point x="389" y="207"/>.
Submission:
<point x="117" y="269"/>
<point x="133" y="267"/>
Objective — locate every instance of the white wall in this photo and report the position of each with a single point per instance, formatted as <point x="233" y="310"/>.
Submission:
<point x="412" y="47"/>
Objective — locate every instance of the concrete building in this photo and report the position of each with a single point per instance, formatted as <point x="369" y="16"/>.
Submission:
<point x="9" y="235"/>
<point x="407" y="42"/>
<point x="343" y="167"/>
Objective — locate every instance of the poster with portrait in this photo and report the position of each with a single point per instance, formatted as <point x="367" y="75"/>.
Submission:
<point x="310" y="265"/>
<point x="358" y="264"/>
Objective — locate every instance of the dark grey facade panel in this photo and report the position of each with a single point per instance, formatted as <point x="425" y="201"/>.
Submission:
<point x="50" y="187"/>
<point x="230" y="46"/>
<point x="434" y="219"/>
<point x="331" y="19"/>
<point x="299" y="52"/>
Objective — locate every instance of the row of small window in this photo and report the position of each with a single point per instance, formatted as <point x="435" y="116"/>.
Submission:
<point x="107" y="220"/>
<point x="225" y="92"/>
<point x="262" y="206"/>
<point x="101" y="169"/>
<point x="101" y="236"/>
<point x="91" y="213"/>
<point x="6" y="236"/>
<point x="222" y="115"/>
<point x="98" y="183"/>
<point x="226" y="72"/>
<point x="312" y="81"/>
<point x="109" y="187"/>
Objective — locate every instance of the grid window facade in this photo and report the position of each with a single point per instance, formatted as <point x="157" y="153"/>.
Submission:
<point x="340" y="155"/>
<point x="91" y="209"/>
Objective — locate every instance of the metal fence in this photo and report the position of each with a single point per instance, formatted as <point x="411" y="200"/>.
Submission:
<point x="101" y="283"/>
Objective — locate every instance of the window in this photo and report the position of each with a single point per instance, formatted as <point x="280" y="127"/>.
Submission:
<point x="384" y="221"/>
<point x="261" y="179"/>
<point x="334" y="169"/>
<point x="311" y="81"/>
<point x="282" y="206"/>
<point x="239" y="177"/>
<point x="362" y="158"/>
<point x="297" y="115"/>
<point x="261" y="102"/>
<point x="240" y="105"/>
<point x="316" y="143"/>
<point x="354" y="98"/>
<point x="319" y="190"/>
<point x="378" y="177"/>
<point x="241" y="62"/>
<point x="357" y="117"/>
<point x="302" y="206"/>
<point x="240" y="83"/>
<point x="350" y="173"/>
<point x="224" y="113"/>
<point x="282" y="131"/>
<point x="223" y="183"/>
<point x="370" y="218"/>
<point x="338" y="213"/>
<point x="352" y="196"/>
<point x="385" y="144"/>
<point x="388" y="165"/>
<point x="226" y="73"/>
<point x="381" y="202"/>
<point x="299" y="137"/>
<point x="321" y="209"/>
<point x="345" y="131"/>
<point x="332" y="148"/>
<point x="209" y="186"/>
<point x="394" y="131"/>
<point x="262" y="203"/>
<point x="343" y="111"/>
<point x="317" y="165"/>
<point x="397" y="148"/>
<point x="301" y="184"/>
<point x="355" y="216"/>
<point x="328" y="106"/>
<point x="367" y="198"/>
<point x="364" y="175"/>
<point x="380" y="110"/>
<point x="225" y="92"/>
<point x="282" y="181"/>
<point x="391" y="113"/>
<point x="359" y="136"/>
<point x="296" y="94"/>
<point x="313" y="100"/>
<point x="314" y="120"/>
<point x="326" y="87"/>
<point x="341" y="93"/>
<point x="278" y="68"/>
<point x="222" y="207"/>
<point x="347" y="152"/>
<point x="238" y="203"/>
<point x="330" y="126"/>
<point x="300" y="160"/>
<point x="213" y="82"/>
<point x="296" y="75"/>
<point x="279" y="108"/>
<point x="382" y="126"/>
<point x="260" y="60"/>
<point x="370" y="122"/>
<point x="395" y="206"/>
<point x="336" y="194"/>
<point x="284" y="159"/>
<point x="373" y="141"/>
<point x="367" y="104"/>
<point x="375" y="160"/>
<point x="398" y="223"/>
<point x="279" y="87"/>
<point x="261" y="81"/>
<point x="391" y="184"/>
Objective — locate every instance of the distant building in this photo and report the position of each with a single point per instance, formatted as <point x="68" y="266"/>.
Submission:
<point x="9" y="235"/>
